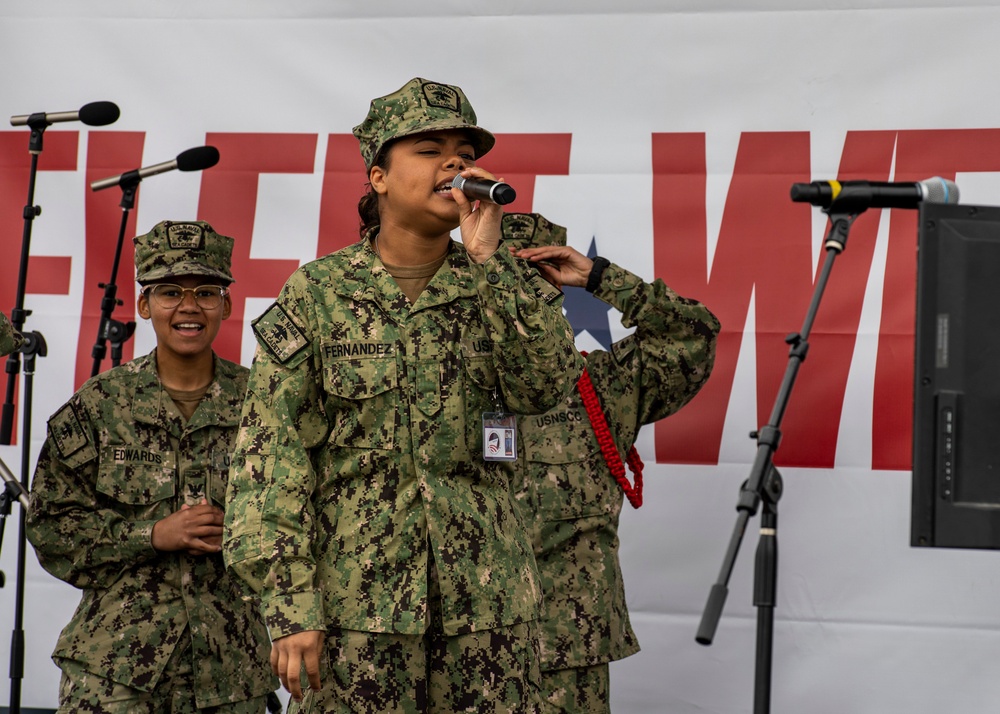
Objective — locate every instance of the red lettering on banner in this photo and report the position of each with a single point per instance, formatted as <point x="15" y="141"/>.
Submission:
<point x="108" y="153"/>
<point x="344" y="183"/>
<point x="518" y="158"/>
<point x="764" y="248"/>
<point x="48" y="274"/>
<point x="228" y="201"/>
<point x="919" y="155"/>
<point x="58" y="154"/>
<point x="762" y="236"/>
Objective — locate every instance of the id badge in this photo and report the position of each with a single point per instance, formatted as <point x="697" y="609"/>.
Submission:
<point x="499" y="436"/>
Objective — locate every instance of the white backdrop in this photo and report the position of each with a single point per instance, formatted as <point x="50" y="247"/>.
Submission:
<point x="865" y="624"/>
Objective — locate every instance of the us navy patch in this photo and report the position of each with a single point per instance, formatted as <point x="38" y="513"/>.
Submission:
<point x="67" y="432"/>
<point x="277" y="332"/>
<point x="443" y="96"/>
<point x="518" y="227"/>
<point x="186" y="236"/>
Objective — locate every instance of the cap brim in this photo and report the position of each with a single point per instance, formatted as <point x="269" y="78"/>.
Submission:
<point x="179" y="270"/>
<point x="482" y="140"/>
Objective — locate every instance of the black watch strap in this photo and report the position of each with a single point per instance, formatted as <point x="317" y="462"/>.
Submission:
<point x="596" y="272"/>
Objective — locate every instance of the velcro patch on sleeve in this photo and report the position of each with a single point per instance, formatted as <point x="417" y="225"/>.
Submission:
<point x="623" y="348"/>
<point x="543" y="289"/>
<point x="279" y="334"/>
<point x="67" y="431"/>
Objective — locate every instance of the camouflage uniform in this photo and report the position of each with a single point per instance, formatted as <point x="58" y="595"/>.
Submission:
<point x="361" y="445"/>
<point x="360" y="501"/>
<point x="119" y="457"/>
<point x="10" y="339"/>
<point x="565" y="488"/>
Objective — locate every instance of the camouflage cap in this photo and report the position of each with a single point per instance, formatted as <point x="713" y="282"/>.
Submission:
<point x="175" y="248"/>
<point x="530" y="230"/>
<point x="10" y="339"/>
<point x="417" y="107"/>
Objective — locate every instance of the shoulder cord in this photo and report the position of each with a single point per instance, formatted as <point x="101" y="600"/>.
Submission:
<point x="607" y="442"/>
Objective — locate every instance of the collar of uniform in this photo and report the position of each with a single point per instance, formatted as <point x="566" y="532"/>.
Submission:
<point x="226" y="393"/>
<point x="147" y="395"/>
<point x="348" y="272"/>
<point x="359" y="281"/>
<point x="455" y="280"/>
<point x="149" y="400"/>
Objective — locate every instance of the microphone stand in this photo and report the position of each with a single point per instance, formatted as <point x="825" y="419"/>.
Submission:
<point x="110" y="330"/>
<point x="764" y="486"/>
<point x="33" y="346"/>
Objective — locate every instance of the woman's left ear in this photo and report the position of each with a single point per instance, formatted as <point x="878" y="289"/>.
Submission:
<point x="142" y="306"/>
<point x="376" y="177"/>
<point x="227" y="307"/>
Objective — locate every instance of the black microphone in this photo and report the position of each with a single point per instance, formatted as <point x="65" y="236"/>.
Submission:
<point x="484" y="189"/>
<point x="196" y="159"/>
<point x="874" y="194"/>
<point x="93" y="114"/>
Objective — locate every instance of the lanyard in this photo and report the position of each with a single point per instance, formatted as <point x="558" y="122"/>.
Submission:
<point x="607" y="442"/>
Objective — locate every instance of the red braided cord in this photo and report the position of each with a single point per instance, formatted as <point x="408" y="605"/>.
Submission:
<point x="600" y="425"/>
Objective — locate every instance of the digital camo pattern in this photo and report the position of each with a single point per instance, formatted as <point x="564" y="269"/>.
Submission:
<point x="82" y="691"/>
<point x="419" y="106"/>
<point x="568" y="496"/>
<point x="119" y="457"/>
<point x="10" y="339"/>
<point x="576" y="689"/>
<point x="531" y="230"/>
<point x="174" y="248"/>
<point x="487" y="672"/>
<point x="361" y="450"/>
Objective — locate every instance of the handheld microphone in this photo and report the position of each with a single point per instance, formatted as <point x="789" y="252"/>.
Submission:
<point x="196" y="159"/>
<point x="872" y="194"/>
<point x="484" y="189"/>
<point x="93" y="114"/>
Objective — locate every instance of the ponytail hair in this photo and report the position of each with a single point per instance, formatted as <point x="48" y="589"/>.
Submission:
<point x="368" y="210"/>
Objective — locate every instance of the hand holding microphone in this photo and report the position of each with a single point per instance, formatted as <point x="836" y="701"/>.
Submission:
<point x="481" y="189"/>
<point x="480" y="225"/>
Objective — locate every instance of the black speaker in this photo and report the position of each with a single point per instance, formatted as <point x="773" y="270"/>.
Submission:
<point x="956" y="419"/>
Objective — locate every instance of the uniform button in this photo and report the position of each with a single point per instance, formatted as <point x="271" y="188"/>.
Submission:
<point x="618" y="281"/>
<point x="493" y="278"/>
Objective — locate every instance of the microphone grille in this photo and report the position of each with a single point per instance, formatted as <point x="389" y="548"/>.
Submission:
<point x="198" y="158"/>
<point x="99" y="113"/>
<point x="940" y="190"/>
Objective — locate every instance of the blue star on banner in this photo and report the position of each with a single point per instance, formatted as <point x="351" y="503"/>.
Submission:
<point x="585" y="312"/>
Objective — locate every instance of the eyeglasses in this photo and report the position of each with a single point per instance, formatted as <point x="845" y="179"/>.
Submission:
<point x="168" y="296"/>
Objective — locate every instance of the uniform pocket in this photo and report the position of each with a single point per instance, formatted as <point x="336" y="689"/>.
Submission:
<point x="481" y="395"/>
<point x="136" y="477"/>
<point x="364" y="401"/>
<point x="217" y="478"/>
<point x="567" y="471"/>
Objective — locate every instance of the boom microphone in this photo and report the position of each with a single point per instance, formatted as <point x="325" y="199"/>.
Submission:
<point x="196" y="159"/>
<point x="93" y="114"/>
<point x="484" y="189"/>
<point x="872" y="194"/>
